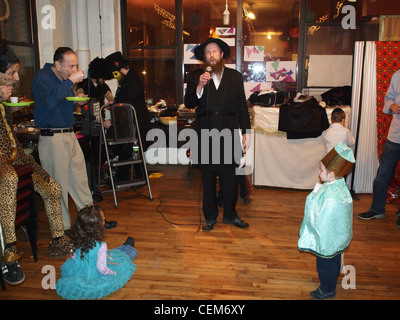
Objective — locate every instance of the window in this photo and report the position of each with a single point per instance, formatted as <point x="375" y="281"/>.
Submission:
<point x="275" y="45"/>
<point x="326" y="38"/>
<point x="16" y="18"/>
<point x="152" y="44"/>
<point x="152" y="48"/>
<point x="273" y="29"/>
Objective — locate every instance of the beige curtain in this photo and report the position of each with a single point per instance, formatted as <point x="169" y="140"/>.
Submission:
<point x="364" y="101"/>
<point x="389" y="28"/>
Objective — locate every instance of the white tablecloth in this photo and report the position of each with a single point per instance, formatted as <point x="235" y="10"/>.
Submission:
<point x="279" y="162"/>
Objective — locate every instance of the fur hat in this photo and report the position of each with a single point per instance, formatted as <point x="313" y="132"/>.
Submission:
<point x="116" y="61"/>
<point x="199" y="50"/>
<point x="98" y="69"/>
<point x="339" y="160"/>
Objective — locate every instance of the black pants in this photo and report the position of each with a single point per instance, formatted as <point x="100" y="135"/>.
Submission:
<point x="242" y="188"/>
<point x="229" y="187"/>
<point x="328" y="272"/>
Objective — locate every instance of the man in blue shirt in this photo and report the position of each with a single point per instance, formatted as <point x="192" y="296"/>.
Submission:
<point x="390" y="155"/>
<point x="59" y="150"/>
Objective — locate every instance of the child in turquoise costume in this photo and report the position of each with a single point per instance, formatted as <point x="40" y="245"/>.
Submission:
<point x="327" y="227"/>
<point x="93" y="272"/>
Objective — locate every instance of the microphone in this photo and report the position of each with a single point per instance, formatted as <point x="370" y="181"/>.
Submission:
<point x="209" y="70"/>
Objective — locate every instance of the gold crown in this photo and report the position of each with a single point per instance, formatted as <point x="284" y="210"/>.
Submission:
<point x="339" y="160"/>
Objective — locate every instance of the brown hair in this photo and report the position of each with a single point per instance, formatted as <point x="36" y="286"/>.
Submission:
<point x="60" y="52"/>
<point x="337" y="115"/>
<point x="88" y="229"/>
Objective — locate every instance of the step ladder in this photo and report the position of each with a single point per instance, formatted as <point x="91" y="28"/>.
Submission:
<point x="126" y="130"/>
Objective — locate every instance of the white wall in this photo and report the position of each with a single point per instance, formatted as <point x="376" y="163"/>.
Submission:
<point x="62" y="29"/>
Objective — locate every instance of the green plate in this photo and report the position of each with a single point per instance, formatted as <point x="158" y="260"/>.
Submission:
<point x="18" y="104"/>
<point x="76" y="99"/>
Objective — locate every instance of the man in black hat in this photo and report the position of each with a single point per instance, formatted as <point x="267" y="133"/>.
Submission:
<point x="218" y="93"/>
<point x="130" y="90"/>
<point x="97" y="87"/>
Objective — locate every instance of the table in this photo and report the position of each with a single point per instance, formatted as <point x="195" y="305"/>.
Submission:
<point x="279" y="162"/>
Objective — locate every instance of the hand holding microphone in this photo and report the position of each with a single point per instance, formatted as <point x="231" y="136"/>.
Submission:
<point x="205" y="77"/>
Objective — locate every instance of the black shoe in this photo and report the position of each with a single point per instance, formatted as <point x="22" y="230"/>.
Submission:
<point x="130" y="242"/>
<point x="398" y="219"/>
<point x="208" y="225"/>
<point x="319" y="295"/>
<point x="368" y="215"/>
<point x="12" y="272"/>
<point x="246" y="200"/>
<point x="110" y="224"/>
<point x="237" y="222"/>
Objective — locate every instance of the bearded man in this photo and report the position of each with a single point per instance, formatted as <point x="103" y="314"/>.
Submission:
<point x="218" y="93"/>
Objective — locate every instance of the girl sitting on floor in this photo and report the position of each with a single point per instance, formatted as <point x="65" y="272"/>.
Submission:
<point x="93" y="272"/>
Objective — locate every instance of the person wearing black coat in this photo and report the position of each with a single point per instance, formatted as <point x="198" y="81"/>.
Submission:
<point x="130" y="90"/>
<point x="221" y="108"/>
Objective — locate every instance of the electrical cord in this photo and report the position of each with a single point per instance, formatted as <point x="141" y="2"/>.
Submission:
<point x="167" y="220"/>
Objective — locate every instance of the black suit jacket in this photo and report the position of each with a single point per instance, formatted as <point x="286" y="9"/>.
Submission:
<point x="229" y="98"/>
<point x="131" y="91"/>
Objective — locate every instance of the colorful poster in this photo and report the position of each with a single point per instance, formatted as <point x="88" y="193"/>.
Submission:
<point x="225" y="31"/>
<point x="254" y="53"/>
<point x="281" y="71"/>
<point x="251" y="87"/>
<point x="188" y="54"/>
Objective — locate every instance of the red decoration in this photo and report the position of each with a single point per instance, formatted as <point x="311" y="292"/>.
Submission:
<point x="387" y="63"/>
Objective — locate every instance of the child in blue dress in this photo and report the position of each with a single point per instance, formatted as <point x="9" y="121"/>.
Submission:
<point x="327" y="227"/>
<point x="93" y="272"/>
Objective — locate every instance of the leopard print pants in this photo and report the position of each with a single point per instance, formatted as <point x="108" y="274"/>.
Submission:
<point x="49" y="191"/>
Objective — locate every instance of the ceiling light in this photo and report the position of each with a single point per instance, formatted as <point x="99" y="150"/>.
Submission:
<point x="251" y="15"/>
<point x="226" y="18"/>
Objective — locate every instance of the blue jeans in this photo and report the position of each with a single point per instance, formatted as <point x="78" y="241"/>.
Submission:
<point x="130" y="251"/>
<point x="328" y="272"/>
<point x="387" y="166"/>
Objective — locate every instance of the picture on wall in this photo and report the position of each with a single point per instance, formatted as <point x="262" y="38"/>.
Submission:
<point x="281" y="71"/>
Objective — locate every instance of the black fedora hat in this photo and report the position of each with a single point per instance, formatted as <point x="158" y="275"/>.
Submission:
<point x="199" y="50"/>
<point x="116" y="61"/>
<point x="99" y="69"/>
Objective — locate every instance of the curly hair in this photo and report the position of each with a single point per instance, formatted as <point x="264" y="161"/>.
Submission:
<point x="7" y="58"/>
<point x="88" y="229"/>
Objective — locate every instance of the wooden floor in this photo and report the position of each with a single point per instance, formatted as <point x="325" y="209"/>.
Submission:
<point x="178" y="261"/>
